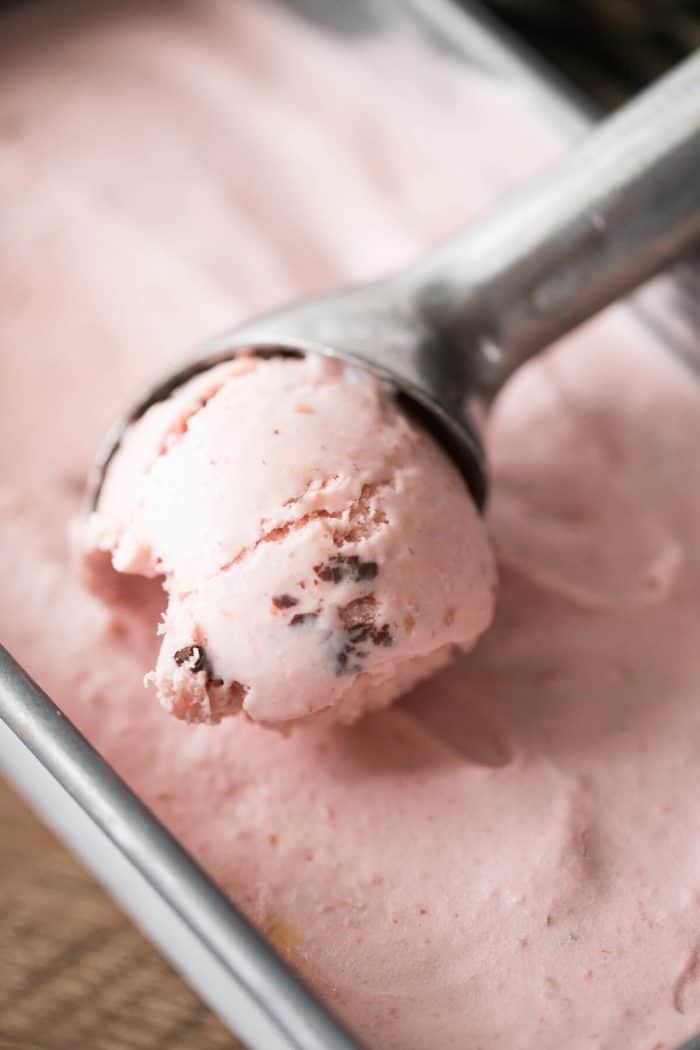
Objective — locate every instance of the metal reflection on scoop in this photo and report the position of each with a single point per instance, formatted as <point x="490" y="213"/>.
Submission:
<point x="618" y="207"/>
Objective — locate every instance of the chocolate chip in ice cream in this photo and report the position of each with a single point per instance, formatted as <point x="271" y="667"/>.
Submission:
<point x="284" y="601"/>
<point x="300" y="619"/>
<point x="358" y="618"/>
<point x="358" y="634"/>
<point x="196" y="659"/>
<point x="360" y="612"/>
<point x="193" y="655"/>
<point x="349" y="660"/>
<point x="366" y="570"/>
<point x="329" y="573"/>
<point x="341" y="567"/>
<point x="382" y="635"/>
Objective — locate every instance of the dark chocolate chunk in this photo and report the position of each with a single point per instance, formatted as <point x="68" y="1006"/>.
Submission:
<point x="357" y="617"/>
<point x="302" y="618"/>
<point x="382" y="635"/>
<point x="341" y="662"/>
<point x="341" y="567"/>
<point x="284" y="601"/>
<point x="360" y="612"/>
<point x="330" y="573"/>
<point x="349" y="660"/>
<point x="358" y="634"/>
<point x="194" y="654"/>
<point x="367" y="570"/>
<point x="217" y="682"/>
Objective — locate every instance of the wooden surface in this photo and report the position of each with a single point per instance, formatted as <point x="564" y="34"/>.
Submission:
<point x="74" y="973"/>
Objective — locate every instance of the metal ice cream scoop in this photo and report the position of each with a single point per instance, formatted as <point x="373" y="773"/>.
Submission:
<point x="619" y="206"/>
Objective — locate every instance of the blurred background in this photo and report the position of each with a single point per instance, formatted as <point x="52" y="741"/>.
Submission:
<point x="75" y="972"/>
<point x="607" y="48"/>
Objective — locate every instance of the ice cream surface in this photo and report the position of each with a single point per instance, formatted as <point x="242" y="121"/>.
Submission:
<point x="321" y="554"/>
<point x="508" y="857"/>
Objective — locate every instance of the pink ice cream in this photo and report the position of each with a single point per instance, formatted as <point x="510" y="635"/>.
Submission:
<point x="320" y="553"/>
<point x="509" y="856"/>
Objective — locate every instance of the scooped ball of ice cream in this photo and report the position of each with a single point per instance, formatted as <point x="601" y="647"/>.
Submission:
<point x="319" y="551"/>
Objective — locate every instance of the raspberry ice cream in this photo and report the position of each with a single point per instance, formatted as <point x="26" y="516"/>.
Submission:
<point x="508" y="857"/>
<point x="320" y="553"/>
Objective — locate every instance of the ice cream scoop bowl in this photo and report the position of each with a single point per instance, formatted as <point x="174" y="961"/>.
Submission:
<point x="449" y="330"/>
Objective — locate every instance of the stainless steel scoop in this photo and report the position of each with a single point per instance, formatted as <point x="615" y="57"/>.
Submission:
<point x="451" y="328"/>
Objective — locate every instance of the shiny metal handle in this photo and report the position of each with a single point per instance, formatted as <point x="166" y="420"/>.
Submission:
<point x="617" y="208"/>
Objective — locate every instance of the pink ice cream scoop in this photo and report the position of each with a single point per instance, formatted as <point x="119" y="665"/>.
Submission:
<point x="319" y="550"/>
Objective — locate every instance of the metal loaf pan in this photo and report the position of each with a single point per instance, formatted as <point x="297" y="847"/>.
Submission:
<point x="144" y="868"/>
